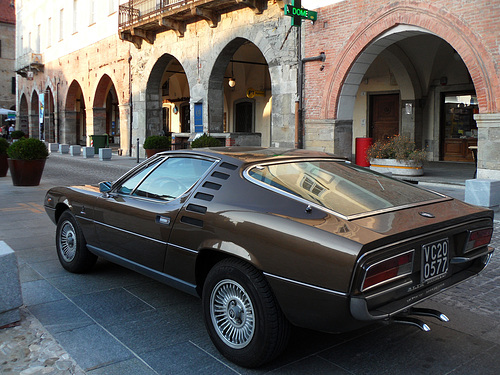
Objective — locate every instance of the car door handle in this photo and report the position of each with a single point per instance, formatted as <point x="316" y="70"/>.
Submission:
<point x="165" y="220"/>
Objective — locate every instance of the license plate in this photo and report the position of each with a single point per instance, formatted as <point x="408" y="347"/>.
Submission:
<point x="435" y="256"/>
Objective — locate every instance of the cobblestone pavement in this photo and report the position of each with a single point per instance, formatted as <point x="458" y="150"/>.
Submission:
<point x="485" y="287"/>
<point x="28" y="349"/>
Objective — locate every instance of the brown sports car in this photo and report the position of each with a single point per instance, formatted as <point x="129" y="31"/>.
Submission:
<point x="270" y="238"/>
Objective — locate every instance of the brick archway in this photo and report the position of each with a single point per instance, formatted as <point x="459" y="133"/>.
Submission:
<point x="427" y="17"/>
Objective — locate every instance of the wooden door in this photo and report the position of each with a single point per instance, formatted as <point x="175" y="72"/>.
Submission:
<point x="384" y="116"/>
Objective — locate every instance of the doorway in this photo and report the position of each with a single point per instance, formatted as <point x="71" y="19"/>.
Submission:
<point x="384" y="116"/>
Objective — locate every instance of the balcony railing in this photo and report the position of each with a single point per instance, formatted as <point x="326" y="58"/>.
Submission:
<point x="140" y="10"/>
<point x="29" y="62"/>
<point x="142" y="19"/>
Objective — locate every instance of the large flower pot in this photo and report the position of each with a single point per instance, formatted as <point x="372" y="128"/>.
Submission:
<point x="26" y="172"/>
<point x="4" y="166"/>
<point x="400" y="168"/>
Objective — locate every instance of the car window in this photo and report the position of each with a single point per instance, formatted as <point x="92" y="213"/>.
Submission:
<point x="341" y="187"/>
<point x="172" y="178"/>
<point x="128" y="186"/>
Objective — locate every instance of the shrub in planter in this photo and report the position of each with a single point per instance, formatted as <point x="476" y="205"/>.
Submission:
<point x="17" y="134"/>
<point x="403" y="156"/>
<point x="26" y="161"/>
<point x="4" y="166"/>
<point x="156" y="143"/>
<point x="205" y="141"/>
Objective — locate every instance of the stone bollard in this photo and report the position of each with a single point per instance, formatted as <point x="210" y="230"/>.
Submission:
<point x="104" y="154"/>
<point x="88" y="152"/>
<point x="63" y="149"/>
<point x="483" y="192"/>
<point x="53" y="147"/>
<point x="10" y="286"/>
<point x="75" y="150"/>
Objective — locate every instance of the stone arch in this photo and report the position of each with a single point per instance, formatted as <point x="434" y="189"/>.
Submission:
<point x="24" y="114"/>
<point x="396" y="23"/>
<point x="48" y="117"/>
<point x="105" y="109"/>
<point x="164" y="67"/>
<point x="218" y="93"/>
<point x="34" y="123"/>
<point x="74" y="124"/>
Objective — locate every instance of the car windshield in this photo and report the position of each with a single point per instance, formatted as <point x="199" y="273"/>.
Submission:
<point x="339" y="186"/>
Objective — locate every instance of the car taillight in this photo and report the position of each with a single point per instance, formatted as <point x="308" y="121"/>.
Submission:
<point x="388" y="270"/>
<point x="478" y="238"/>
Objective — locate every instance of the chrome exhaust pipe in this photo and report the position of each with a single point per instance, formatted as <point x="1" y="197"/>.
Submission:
<point x="428" y="312"/>
<point x="413" y="322"/>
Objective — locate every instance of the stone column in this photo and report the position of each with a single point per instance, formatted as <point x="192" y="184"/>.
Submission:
<point x="488" y="145"/>
<point x="68" y="128"/>
<point x="34" y="126"/>
<point x="124" y="129"/>
<point x="99" y="121"/>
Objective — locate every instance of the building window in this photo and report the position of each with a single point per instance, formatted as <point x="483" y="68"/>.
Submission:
<point x="91" y="12"/>
<point x="38" y="37"/>
<point x="49" y="32"/>
<point x="75" y="16"/>
<point x="113" y="6"/>
<point x="61" y="24"/>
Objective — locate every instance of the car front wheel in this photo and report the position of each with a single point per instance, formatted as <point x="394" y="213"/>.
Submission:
<point x="242" y="316"/>
<point x="71" y="245"/>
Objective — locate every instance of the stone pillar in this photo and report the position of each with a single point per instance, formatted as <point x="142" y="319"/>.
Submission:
<point x="34" y="126"/>
<point x="68" y="128"/>
<point x="99" y="121"/>
<point x="124" y="128"/>
<point x="488" y="146"/>
<point x="342" y="138"/>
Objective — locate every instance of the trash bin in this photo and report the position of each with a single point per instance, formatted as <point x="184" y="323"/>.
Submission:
<point x="99" y="141"/>
<point x="362" y="146"/>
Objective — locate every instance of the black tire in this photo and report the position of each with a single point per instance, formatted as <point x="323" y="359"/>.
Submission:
<point x="71" y="245"/>
<point x="242" y="315"/>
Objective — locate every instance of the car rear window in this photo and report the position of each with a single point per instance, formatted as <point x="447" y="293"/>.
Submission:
<point x="339" y="186"/>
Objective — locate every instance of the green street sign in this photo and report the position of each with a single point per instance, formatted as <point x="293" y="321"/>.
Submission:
<point x="298" y="13"/>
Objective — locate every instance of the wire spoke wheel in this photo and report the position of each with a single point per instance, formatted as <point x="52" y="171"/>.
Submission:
<point x="68" y="242"/>
<point x="232" y="314"/>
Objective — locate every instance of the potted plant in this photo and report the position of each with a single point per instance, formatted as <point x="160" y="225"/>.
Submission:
<point x="4" y="166"/>
<point x="205" y="141"/>
<point x="17" y="134"/>
<point x="397" y="155"/>
<point x="156" y="143"/>
<point x="26" y="161"/>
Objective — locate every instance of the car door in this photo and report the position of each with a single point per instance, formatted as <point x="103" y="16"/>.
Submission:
<point x="135" y="219"/>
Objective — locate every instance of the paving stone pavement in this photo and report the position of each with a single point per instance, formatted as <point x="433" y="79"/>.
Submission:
<point x="29" y="349"/>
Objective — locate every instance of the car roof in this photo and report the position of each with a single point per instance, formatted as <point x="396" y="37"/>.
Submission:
<point x="247" y="154"/>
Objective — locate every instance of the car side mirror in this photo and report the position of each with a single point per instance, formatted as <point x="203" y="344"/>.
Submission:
<point x="105" y="186"/>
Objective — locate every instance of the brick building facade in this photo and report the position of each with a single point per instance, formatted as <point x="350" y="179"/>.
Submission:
<point x="424" y="69"/>
<point x="438" y="59"/>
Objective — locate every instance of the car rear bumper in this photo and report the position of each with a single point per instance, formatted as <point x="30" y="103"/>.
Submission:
<point x="360" y="305"/>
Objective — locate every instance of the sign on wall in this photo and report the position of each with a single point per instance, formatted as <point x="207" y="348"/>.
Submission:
<point x="198" y="117"/>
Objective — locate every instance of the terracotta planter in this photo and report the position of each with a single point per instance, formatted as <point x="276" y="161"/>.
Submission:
<point x="4" y="166"/>
<point x="400" y="168"/>
<point x="151" y="151"/>
<point x="26" y="172"/>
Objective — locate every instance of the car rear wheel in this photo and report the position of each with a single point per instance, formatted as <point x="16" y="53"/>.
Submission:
<point x="242" y="315"/>
<point x="71" y="245"/>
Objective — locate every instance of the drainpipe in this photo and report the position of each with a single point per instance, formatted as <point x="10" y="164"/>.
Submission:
<point x="299" y="119"/>
<point x="130" y="102"/>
